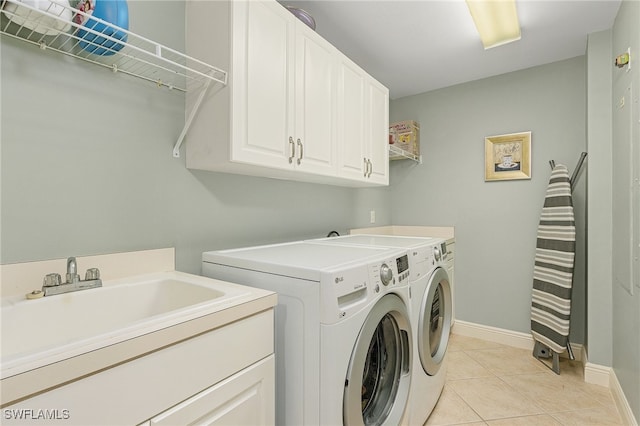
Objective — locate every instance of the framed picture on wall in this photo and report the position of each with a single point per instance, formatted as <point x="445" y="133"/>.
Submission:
<point x="507" y="157"/>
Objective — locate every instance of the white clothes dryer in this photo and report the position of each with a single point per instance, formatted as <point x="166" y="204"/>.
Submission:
<point x="431" y="308"/>
<point x="343" y="342"/>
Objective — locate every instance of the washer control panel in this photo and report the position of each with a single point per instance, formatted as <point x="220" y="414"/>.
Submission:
<point x="401" y="267"/>
<point x="389" y="272"/>
<point x="402" y="263"/>
<point x="350" y="288"/>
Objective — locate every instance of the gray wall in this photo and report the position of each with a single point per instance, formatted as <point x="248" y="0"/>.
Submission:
<point x="626" y="207"/>
<point x="87" y="166"/>
<point x="599" y="110"/>
<point x="495" y="222"/>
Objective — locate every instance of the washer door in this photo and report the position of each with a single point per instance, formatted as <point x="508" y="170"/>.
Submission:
<point x="377" y="383"/>
<point x="434" y="323"/>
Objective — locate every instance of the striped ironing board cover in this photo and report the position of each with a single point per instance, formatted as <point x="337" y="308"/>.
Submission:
<point x="553" y="270"/>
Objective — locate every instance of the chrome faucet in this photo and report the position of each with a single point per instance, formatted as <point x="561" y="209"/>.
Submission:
<point x="52" y="282"/>
<point x="72" y="270"/>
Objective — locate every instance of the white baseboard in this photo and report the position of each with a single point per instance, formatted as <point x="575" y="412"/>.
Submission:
<point x="506" y="337"/>
<point x="621" y="401"/>
<point x="597" y="374"/>
<point x="606" y="376"/>
<point x="593" y="373"/>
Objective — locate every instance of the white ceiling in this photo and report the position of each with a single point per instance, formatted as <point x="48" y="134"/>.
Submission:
<point x="421" y="45"/>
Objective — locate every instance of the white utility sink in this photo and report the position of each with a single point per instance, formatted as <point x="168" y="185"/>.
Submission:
<point x="43" y="331"/>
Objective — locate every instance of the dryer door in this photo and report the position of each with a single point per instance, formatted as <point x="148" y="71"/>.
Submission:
<point x="379" y="373"/>
<point x="434" y="322"/>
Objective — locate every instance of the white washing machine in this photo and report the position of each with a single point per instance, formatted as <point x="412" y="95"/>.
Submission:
<point x="431" y="308"/>
<point x="343" y="332"/>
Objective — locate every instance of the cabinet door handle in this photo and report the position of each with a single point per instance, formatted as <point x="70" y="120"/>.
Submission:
<point x="366" y="167"/>
<point x="301" y="151"/>
<point x="370" y="168"/>
<point x="292" y="150"/>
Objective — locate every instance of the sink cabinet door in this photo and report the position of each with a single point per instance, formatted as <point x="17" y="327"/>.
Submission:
<point x="246" y="398"/>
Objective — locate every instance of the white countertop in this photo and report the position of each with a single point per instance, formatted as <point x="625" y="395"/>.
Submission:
<point x="446" y="232"/>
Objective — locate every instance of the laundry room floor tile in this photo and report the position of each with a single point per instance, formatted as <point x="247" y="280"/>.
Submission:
<point x="462" y="366"/>
<point x="492" y="398"/>
<point x="451" y="409"/>
<point x="458" y="342"/>
<point x="537" y="420"/>
<point x="552" y="392"/>
<point x="508" y="361"/>
<point x="498" y="385"/>
<point x="600" y="416"/>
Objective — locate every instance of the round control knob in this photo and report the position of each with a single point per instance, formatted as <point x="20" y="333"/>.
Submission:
<point x="386" y="274"/>
<point x="437" y="254"/>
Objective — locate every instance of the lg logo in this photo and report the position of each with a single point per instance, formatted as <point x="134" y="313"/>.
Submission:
<point x="339" y="279"/>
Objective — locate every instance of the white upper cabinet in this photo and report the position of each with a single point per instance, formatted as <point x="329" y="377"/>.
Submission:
<point x="263" y="89"/>
<point x="315" y="102"/>
<point x="284" y="119"/>
<point x="363" y="125"/>
<point x="377" y="131"/>
<point x="351" y="120"/>
<point x="280" y="114"/>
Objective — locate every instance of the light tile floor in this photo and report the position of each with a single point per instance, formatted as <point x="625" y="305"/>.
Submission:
<point x="497" y="385"/>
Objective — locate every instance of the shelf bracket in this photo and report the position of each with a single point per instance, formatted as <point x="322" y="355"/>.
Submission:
<point x="187" y="124"/>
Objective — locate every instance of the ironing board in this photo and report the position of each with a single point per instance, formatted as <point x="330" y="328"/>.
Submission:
<point x="553" y="270"/>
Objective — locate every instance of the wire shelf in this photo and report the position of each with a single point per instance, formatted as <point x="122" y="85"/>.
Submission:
<point x="60" y="27"/>
<point x="396" y="153"/>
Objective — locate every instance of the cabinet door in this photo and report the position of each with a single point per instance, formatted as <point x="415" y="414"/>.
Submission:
<point x="315" y="102"/>
<point x="351" y="120"/>
<point x="263" y="73"/>
<point x="363" y="125"/>
<point x="246" y="398"/>
<point x="377" y="131"/>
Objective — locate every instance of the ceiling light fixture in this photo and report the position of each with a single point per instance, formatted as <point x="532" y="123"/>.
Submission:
<point x="496" y="21"/>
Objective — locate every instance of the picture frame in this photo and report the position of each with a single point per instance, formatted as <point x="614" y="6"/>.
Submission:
<point x="507" y="157"/>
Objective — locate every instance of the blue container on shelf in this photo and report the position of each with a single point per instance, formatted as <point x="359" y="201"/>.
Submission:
<point x="115" y="12"/>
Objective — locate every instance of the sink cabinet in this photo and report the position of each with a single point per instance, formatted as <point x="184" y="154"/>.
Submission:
<point x="246" y="398"/>
<point x="223" y="376"/>
<point x="279" y="116"/>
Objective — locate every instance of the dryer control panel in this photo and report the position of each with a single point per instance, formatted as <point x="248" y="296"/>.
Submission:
<point x="426" y="258"/>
